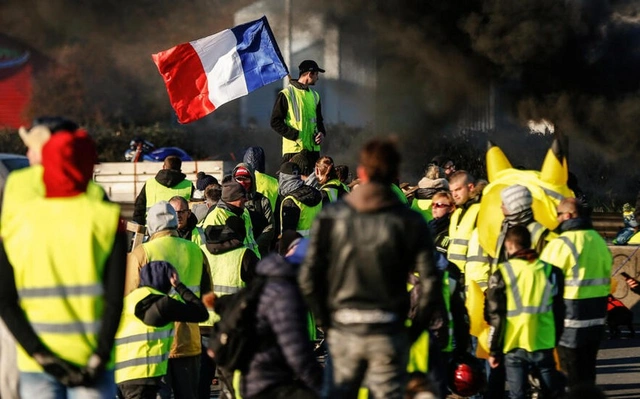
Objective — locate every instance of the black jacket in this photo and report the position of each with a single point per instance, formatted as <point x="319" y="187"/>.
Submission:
<point x="166" y="177"/>
<point x="495" y="307"/>
<point x="361" y="252"/>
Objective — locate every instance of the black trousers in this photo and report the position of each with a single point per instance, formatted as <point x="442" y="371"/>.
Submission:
<point x="579" y="363"/>
<point x="137" y="391"/>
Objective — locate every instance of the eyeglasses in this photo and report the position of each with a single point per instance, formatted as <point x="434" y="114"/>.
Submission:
<point x="438" y="205"/>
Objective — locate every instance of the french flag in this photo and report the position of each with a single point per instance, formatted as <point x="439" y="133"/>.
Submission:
<point x="204" y="74"/>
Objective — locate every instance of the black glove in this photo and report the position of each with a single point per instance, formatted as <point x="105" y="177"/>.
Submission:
<point x="63" y="371"/>
<point x="93" y="370"/>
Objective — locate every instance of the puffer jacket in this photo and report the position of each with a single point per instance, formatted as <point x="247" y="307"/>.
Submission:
<point x="281" y="318"/>
<point x="361" y="252"/>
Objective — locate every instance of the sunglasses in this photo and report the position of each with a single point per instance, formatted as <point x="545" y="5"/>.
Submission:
<point x="438" y="205"/>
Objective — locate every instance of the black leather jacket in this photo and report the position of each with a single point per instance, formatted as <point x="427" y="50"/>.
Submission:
<point x="361" y="252"/>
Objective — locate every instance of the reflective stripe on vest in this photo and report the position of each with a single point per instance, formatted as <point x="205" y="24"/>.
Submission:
<point x="478" y="264"/>
<point x="59" y="281"/>
<point x="141" y="351"/>
<point x="301" y="115"/>
<point x="460" y="231"/>
<point x="332" y="188"/>
<point x="156" y="192"/>
<point x="226" y="271"/>
<point x="530" y="323"/>
<point x="307" y="215"/>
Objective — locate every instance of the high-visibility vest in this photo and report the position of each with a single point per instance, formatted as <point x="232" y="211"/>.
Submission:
<point x="58" y="253"/>
<point x="184" y="255"/>
<point x="635" y="239"/>
<point x="267" y="186"/>
<point x="307" y="215"/>
<point x="26" y="184"/>
<point x="332" y="188"/>
<point x="478" y="265"/>
<point x="301" y="115"/>
<point x="226" y="275"/>
<point x="585" y="260"/>
<point x="156" y="192"/>
<point x="529" y="323"/>
<point x="460" y="230"/>
<point x="424" y="207"/>
<point x="187" y="258"/>
<point x="219" y="216"/>
<point x="141" y="351"/>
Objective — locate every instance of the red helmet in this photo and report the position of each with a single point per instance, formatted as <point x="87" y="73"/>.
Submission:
<point x="466" y="375"/>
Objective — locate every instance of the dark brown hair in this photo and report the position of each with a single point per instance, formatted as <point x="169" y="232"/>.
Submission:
<point x="325" y="170"/>
<point x="380" y="159"/>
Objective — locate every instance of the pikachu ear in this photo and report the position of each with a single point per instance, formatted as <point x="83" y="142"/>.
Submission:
<point x="555" y="169"/>
<point x="35" y="138"/>
<point x="496" y="161"/>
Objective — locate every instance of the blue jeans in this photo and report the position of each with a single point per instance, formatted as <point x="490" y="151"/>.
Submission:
<point x="518" y="362"/>
<point x="381" y="359"/>
<point x="44" y="386"/>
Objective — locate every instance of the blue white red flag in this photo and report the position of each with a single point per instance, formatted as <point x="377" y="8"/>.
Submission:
<point x="204" y="74"/>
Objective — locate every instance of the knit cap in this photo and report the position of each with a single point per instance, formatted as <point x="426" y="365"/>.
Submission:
<point x="232" y="191"/>
<point x="290" y="168"/>
<point x="157" y="274"/>
<point x="161" y="216"/>
<point x="204" y="180"/>
<point x="516" y="198"/>
<point x="241" y="171"/>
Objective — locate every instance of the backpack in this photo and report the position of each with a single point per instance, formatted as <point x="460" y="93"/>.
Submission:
<point x="233" y="339"/>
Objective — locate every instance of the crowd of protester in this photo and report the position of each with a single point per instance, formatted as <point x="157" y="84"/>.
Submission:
<point x="383" y="278"/>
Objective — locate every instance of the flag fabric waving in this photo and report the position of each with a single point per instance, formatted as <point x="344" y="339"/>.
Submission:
<point x="204" y="74"/>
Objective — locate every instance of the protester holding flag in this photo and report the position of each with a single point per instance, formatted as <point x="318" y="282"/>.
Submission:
<point x="297" y="114"/>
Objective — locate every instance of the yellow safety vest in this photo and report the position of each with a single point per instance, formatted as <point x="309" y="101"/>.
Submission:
<point x="58" y="252"/>
<point x="141" y="351"/>
<point x="219" y="216"/>
<point x="530" y="323"/>
<point x="424" y="207"/>
<point x="26" y="184"/>
<point x="267" y="186"/>
<point x="586" y="261"/>
<point x="225" y="273"/>
<point x="156" y="192"/>
<point x="635" y="239"/>
<point x="187" y="258"/>
<point x="301" y="115"/>
<point x="460" y="233"/>
<point x="331" y="188"/>
<point x="307" y="215"/>
<point x="478" y="265"/>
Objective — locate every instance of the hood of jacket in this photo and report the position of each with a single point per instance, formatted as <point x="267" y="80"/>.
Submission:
<point x="170" y="177"/>
<point x="276" y="265"/>
<point x="254" y="157"/>
<point x="250" y="168"/>
<point x="372" y="197"/>
<point x="288" y="183"/>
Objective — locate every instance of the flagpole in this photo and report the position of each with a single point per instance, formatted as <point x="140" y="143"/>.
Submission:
<point x="287" y="40"/>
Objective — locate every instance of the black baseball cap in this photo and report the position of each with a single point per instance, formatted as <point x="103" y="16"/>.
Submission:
<point x="309" y="66"/>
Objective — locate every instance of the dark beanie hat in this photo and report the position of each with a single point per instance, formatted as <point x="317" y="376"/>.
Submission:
<point x="232" y="191"/>
<point x="157" y="274"/>
<point x="204" y="180"/>
<point x="302" y="160"/>
<point x="290" y="168"/>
